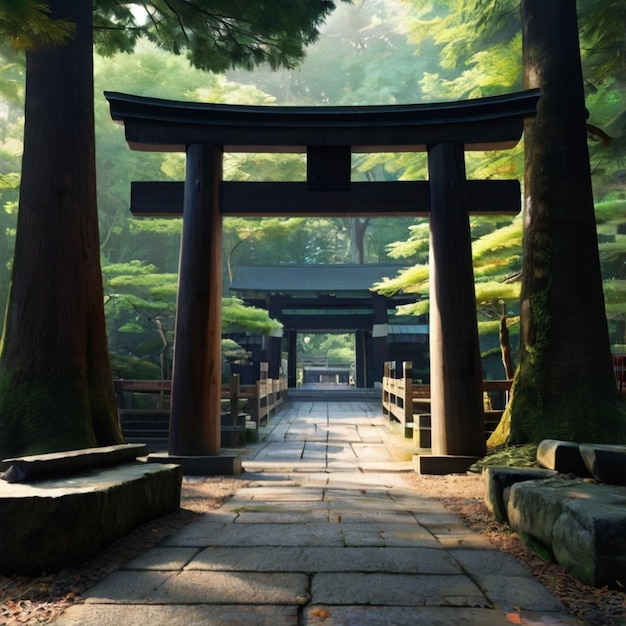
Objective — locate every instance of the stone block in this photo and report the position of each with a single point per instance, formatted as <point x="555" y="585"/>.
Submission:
<point x="578" y="523"/>
<point x="607" y="464"/>
<point x="498" y="481"/>
<point x="49" y="525"/>
<point x="224" y="464"/>
<point x="562" y="456"/>
<point x="232" y="436"/>
<point x="26" y="468"/>
<point x="443" y="464"/>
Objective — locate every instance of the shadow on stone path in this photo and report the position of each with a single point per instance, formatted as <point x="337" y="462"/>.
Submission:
<point x="327" y="533"/>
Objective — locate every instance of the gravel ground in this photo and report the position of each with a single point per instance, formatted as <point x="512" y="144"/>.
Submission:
<point x="30" y="601"/>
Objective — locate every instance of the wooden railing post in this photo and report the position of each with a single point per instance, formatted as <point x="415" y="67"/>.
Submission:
<point x="407" y="377"/>
<point x="234" y="398"/>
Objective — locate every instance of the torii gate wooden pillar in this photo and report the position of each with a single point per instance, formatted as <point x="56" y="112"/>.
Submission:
<point x="329" y="135"/>
<point x="196" y="378"/>
<point x="457" y="417"/>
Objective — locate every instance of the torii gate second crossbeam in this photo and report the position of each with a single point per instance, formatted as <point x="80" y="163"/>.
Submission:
<point x="329" y="136"/>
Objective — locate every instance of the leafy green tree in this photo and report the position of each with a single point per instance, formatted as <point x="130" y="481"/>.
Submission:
<point x="480" y="47"/>
<point x="55" y="373"/>
<point x="28" y="24"/>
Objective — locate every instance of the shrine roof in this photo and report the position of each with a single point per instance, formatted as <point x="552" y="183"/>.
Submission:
<point x="308" y="279"/>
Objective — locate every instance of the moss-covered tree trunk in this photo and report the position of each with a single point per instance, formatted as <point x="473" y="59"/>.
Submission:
<point x="56" y="389"/>
<point x="564" y="387"/>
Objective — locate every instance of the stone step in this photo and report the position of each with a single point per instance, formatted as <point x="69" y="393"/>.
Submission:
<point x="579" y="523"/>
<point x="50" y="525"/>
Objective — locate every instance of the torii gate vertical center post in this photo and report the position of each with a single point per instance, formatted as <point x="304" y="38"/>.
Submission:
<point x="328" y="135"/>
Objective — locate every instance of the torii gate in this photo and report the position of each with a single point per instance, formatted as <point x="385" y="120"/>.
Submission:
<point x="328" y="136"/>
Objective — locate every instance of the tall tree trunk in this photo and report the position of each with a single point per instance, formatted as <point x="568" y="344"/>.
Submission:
<point x="358" y="228"/>
<point x="564" y="387"/>
<point x="56" y="390"/>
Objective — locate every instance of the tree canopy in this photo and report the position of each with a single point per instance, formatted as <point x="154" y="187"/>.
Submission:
<point x="55" y="377"/>
<point x="381" y="52"/>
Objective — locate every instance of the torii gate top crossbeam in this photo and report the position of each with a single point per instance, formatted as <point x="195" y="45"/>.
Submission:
<point x="157" y="125"/>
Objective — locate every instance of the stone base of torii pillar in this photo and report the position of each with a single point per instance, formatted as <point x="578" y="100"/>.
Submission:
<point x="443" y="464"/>
<point x="223" y="464"/>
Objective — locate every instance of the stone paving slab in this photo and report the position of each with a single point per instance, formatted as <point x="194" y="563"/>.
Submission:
<point x="345" y="514"/>
<point x="283" y="494"/>
<point x="511" y="592"/>
<point x="208" y="534"/>
<point x="327" y="533"/>
<point x="163" y="559"/>
<point x="415" y="502"/>
<point x="431" y="616"/>
<point x="201" y="587"/>
<point x="487" y="562"/>
<point x="388" y="535"/>
<point x="460" y="537"/>
<point x="284" y="517"/>
<point x="388" y="589"/>
<point x="179" y="615"/>
<point x="369" y="434"/>
<point x="314" y="560"/>
<point x="371" y="452"/>
<point x="287" y="451"/>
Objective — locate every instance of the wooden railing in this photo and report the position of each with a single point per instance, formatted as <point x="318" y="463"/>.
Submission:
<point x="264" y="397"/>
<point x="409" y="403"/>
<point x="143" y="406"/>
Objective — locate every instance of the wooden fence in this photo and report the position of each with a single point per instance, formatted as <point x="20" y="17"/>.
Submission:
<point x="409" y="403"/>
<point x="143" y="406"/>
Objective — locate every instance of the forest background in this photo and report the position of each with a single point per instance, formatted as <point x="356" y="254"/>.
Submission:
<point x="370" y="52"/>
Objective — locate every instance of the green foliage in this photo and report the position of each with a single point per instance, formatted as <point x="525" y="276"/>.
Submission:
<point x="236" y="316"/>
<point x="338" y="348"/>
<point x="215" y="35"/>
<point x="479" y="47"/>
<point x="380" y="52"/>
<point x="27" y="25"/>
<point x="232" y="351"/>
<point x="133" y="367"/>
<point x="601" y="24"/>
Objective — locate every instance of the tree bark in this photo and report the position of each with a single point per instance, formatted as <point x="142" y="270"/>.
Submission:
<point x="505" y="345"/>
<point x="564" y="387"/>
<point x="358" y="228"/>
<point x="56" y="390"/>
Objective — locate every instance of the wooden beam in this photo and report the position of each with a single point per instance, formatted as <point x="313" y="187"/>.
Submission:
<point x="328" y="168"/>
<point x="258" y="199"/>
<point x="157" y="125"/>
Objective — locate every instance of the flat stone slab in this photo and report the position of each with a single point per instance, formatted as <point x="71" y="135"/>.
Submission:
<point x="312" y="560"/>
<point x="201" y="587"/>
<point x="224" y="464"/>
<point x="178" y="615"/>
<point x="49" y="525"/>
<point x="34" y="467"/>
<point x="504" y="580"/>
<point x="322" y="615"/>
<point x="396" y="590"/>
<point x="581" y="524"/>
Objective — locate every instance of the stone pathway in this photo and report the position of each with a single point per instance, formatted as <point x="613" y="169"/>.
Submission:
<point x="328" y="533"/>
